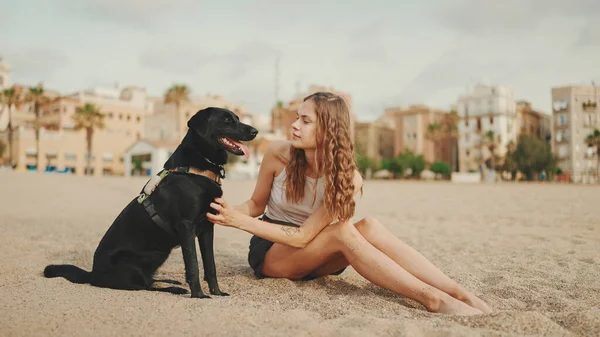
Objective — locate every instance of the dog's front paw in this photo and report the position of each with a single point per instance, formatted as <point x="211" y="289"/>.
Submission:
<point x="219" y="293"/>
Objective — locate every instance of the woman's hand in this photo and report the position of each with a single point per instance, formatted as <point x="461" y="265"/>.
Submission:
<point x="226" y="216"/>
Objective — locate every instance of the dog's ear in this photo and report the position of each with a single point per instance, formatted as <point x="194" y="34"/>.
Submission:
<point x="199" y="122"/>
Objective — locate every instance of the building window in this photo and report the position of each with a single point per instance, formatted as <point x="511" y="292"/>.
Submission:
<point x="563" y="150"/>
<point x="128" y="117"/>
<point x="138" y="119"/>
<point x="70" y="156"/>
<point x="561" y="119"/>
<point x="559" y="136"/>
<point x="478" y="124"/>
<point x="491" y="119"/>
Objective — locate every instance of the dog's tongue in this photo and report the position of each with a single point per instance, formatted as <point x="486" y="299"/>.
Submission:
<point x="243" y="148"/>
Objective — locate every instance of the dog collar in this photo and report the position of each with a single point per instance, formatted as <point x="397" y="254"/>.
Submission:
<point x="205" y="173"/>
<point x="219" y="166"/>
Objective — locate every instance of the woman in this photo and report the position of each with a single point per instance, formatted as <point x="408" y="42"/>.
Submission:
<point x="307" y="187"/>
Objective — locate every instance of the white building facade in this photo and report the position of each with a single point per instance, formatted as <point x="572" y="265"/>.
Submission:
<point x="485" y="108"/>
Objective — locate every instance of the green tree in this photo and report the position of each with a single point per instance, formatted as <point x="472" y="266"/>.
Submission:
<point x="416" y="163"/>
<point x="364" y="163"/>
<point x="435" y="133"/>
<point x="491" y="141"/>
<point x="439" y="167"/>
<point x="510" y="163"/>
<point x="532" y="156"/>
<point x="10" y="97"/>
<point x="88" y="118"/>
<point x="37" y="96"/>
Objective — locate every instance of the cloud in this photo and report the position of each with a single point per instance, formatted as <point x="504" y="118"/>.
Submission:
<point x="140" y="13"/>
<point x="475" y="17"/>
<point x="589" y="36"/>
<point x="180" y="60"/>
<point x="33" y="64"/>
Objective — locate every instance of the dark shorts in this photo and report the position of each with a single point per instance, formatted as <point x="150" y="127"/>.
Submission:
<point x="259" y="248"/>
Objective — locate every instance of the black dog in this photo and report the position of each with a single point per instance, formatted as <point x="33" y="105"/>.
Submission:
<point x="174" y="213"/>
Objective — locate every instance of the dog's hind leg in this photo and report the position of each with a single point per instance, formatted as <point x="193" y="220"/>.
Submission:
<point x="172" y="290"/>
<point x="122" y="276"/>
<point x="190" y="259"/>
<point x="167" y="281"/>
<point x="205" y="241"/>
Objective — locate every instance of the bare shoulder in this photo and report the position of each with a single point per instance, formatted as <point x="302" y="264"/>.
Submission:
<point x="279" y="149"/>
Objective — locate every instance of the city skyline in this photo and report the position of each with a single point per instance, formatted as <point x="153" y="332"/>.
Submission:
<point x="382" y="53"/>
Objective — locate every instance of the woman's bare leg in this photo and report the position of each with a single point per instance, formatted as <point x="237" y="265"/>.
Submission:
<point x="415" y="263"/>
<point x="368" y="261"/>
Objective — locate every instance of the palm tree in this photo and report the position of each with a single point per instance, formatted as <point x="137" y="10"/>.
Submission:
<point x="88" y="118"/>
<point x="10" y="97"/>
<point x="593" y="140"/>
<point x="449" y="126"/>
<point x="37" y="96"/>
<point x="177" y="94"/>
<point x="435" y="133"/>
<point x="490" y="139"/>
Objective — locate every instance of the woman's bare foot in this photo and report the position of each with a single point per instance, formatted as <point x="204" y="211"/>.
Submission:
<point x="477" y="303"/>
<point x="450" y="305"/>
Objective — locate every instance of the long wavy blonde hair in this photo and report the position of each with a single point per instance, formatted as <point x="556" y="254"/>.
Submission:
<point x="334" y="158"/>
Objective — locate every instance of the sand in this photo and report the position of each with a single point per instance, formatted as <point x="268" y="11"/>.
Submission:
<point x="531" y="251"/>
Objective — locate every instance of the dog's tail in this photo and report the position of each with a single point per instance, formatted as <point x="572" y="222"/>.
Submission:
<point x="70" y="272"/>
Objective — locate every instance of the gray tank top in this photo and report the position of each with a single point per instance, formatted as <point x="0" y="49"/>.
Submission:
<point x="278" y="208"/>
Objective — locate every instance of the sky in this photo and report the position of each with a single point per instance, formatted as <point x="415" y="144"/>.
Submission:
<point x="384" y="53"/>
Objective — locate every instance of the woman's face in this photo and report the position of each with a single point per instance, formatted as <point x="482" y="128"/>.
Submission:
<point x="305" y="127"/>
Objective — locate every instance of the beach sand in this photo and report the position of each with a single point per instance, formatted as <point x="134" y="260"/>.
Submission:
<point x="531" y="251"/>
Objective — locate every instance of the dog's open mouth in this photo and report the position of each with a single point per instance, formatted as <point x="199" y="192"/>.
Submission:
<point x="235" y="147"/>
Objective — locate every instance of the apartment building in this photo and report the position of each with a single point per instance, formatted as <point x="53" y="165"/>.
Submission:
<point x="485" y="108"/>
<point x="533" y="122"/>
<point x="411" y="132"/>
<point x="375" y="140"/>
<point x="575" y="115"/>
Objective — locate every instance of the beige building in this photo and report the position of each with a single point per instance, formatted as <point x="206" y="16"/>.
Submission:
<point x="575" y="115"/>
<point x="375" y="140"/>
<point x="411" y="125"/>
<point x="533" y="122"/>
<point x="65" y="150"/>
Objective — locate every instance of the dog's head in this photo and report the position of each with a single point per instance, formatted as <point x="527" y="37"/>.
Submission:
<point x="220" y="129"/>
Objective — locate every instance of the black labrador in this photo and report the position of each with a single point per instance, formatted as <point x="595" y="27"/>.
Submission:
<point x="170" y="213"/>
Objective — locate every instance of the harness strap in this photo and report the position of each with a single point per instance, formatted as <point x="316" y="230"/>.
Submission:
<point x="164" y="225"/>
<point x="145" y="201"/>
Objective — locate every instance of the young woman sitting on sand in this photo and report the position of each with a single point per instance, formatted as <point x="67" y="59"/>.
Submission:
<point x="307" y="187"/>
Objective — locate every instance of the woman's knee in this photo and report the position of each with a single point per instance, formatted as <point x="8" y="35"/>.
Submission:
<point x="344" y="231"/>
<point x="367" y="224"/>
